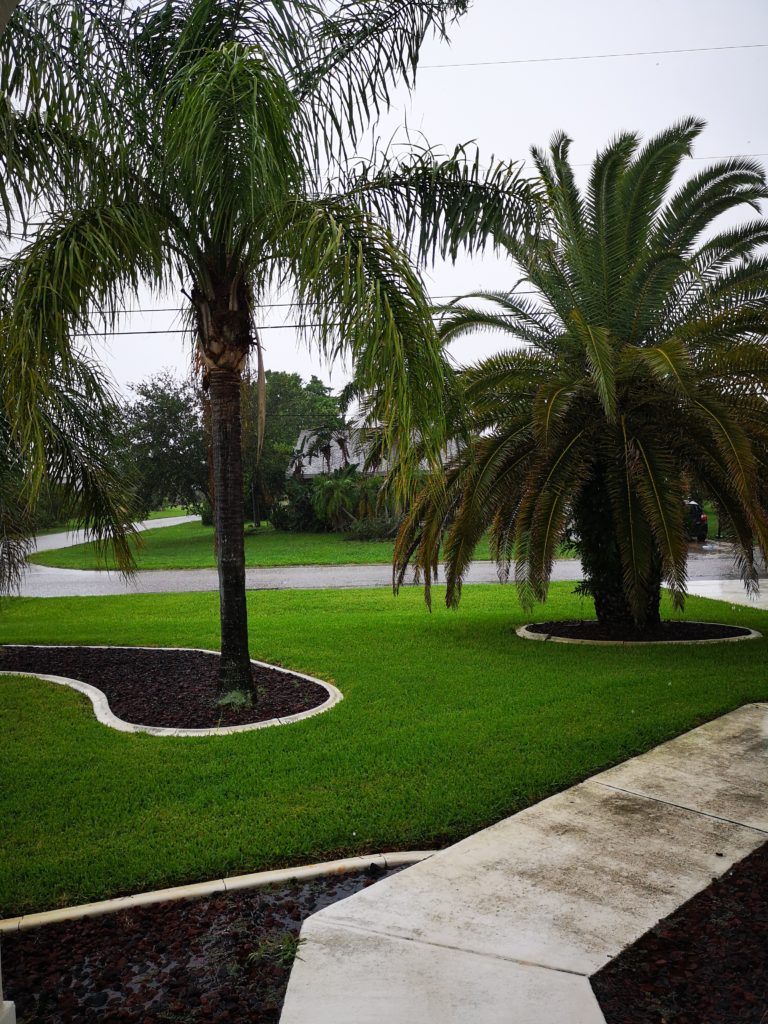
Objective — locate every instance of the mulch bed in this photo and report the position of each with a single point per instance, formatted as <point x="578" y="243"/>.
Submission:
<point x="176" y="689"/>
<point x="221" y="959"/>
<point x="591" y="630"/>
<point x="705" y="964"/>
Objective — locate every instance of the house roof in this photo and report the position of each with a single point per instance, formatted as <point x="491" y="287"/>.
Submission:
<point x="345" y="448"/>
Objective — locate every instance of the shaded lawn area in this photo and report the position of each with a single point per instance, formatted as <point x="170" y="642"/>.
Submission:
<point x="190" y="546"/>
<point x="449" y="722"/>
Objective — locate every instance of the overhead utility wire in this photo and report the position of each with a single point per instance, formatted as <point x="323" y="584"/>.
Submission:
<point x="258" y="305"/>
<point x="266" y="327"/>
<point x="593" y="56"/>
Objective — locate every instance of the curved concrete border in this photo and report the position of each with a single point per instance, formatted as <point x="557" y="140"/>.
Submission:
<point x="104" y="714"/>
<point x="257" y="880"/>
<point x="527" y="634"/>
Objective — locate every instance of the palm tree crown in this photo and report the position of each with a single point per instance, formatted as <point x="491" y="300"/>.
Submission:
<point x="638" y="376"/>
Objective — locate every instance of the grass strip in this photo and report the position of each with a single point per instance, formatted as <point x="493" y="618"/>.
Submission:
<point x="190" y="546"/>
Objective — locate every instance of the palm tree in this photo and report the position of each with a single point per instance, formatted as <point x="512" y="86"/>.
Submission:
<point x="638" y="372"/>
<point x="210" y="149"/>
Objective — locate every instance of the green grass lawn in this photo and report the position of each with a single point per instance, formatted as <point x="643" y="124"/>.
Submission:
<point x="168" y="513"/>
<point x="190" y="546"/>
<point x="449" y="722"/>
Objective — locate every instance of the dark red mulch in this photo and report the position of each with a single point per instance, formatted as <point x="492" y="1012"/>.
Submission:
<point x="220" y="959"/>
<point x="592" y="630"/>
<point x="176" y="689"/>
<point x="705" y="964"/>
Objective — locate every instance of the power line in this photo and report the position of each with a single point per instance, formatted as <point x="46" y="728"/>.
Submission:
<point x="592" y="56"/>
<point x="258" y="305"/>
<point x="268" y="327"/>
<point x="725" y="156"/>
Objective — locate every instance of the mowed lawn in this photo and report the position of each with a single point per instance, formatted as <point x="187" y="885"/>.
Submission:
<point x="190" y="546"/>
<point x="449" y="722"/>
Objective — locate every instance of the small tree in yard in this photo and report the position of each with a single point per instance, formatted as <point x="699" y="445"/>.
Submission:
<point x="165" y="441"/>
<point x="640" y="370"/>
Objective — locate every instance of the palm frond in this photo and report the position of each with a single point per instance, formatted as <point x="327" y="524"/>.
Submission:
<point x="369" y="303"/>
<point x="443" y="204"/>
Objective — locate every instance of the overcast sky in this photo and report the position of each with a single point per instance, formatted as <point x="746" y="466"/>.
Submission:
<point x="506" y="108"/>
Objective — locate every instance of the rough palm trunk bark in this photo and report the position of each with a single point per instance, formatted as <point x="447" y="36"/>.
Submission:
<point x="235" y="672"/>
<point x="602" y="565"/>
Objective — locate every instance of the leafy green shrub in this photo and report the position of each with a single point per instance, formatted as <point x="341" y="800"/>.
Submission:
<point x="296" y="513"/>
<point x="374" y="528"/>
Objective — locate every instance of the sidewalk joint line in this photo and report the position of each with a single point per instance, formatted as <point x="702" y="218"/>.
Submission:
<point x="680" y="807"/>
<point x="350" y="926"/>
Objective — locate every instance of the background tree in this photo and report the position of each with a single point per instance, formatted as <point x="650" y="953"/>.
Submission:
<point x="166" y="443"/>
<point x="640" y="369"/>
<point x="290" y="407"/>
<point x="211" y="149"/>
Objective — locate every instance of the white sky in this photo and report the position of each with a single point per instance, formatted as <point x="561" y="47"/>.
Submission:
<point x="507" y="108"/>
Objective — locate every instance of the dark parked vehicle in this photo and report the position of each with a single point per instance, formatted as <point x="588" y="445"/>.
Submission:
<point x="698" y="527"/>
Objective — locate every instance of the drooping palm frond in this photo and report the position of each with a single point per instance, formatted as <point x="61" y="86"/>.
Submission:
<point x="355" y="282"/>
<point x="440" y="204"/>
<point x="358" y="54"/>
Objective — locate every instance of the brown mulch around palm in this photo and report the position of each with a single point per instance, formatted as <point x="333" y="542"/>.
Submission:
<point x="170" y="688"/>
<point x="590" y="629"/>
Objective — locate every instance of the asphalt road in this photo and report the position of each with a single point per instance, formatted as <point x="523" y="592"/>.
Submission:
<point x="707" y="562"/>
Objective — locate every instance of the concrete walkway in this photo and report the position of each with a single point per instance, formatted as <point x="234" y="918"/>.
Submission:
<point x="507" y="926"/>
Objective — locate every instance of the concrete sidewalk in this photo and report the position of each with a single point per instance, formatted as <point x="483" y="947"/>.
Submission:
<point x="507" y="926"/>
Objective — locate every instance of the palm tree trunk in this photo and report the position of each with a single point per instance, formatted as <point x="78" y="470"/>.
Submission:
<point x="235" y="671"/>
<point x="602" y="565"/>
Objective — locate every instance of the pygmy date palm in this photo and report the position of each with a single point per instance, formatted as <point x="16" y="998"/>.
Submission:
<point x="210" y="152"/>
<point x="638" y="375"/>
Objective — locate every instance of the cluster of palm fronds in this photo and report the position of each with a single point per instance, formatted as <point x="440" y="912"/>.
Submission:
<point x="639" y="372"/>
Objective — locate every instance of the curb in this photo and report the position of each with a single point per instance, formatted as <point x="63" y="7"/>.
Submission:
<point x="105" y="715"/>
<point x="527" y="634"/>
<point x="236" y="883"/>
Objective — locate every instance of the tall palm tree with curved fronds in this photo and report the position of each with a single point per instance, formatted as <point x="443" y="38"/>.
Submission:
<point x="211" y="152"/>
<point x="638" y="373"/>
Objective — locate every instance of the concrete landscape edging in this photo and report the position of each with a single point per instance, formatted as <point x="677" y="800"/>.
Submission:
<point x="526" y="633"/>
<point x="197" y="890"/>
<point x="105" y="716"/>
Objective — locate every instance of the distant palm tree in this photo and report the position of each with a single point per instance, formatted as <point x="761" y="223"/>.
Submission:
<point x="639" y="372"/>
<point x="210" y="148"/>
